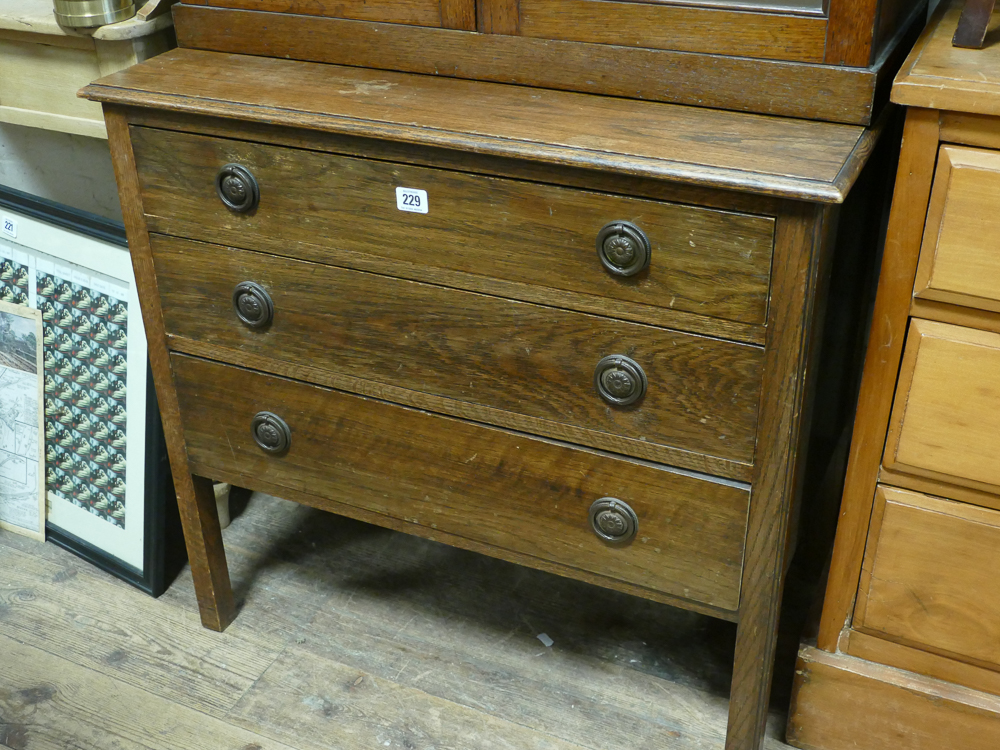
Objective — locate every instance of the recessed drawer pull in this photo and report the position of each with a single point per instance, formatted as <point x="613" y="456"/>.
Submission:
<point x="253" y="304"/>
<point x="237" y="188"/>
<point x="270" y="432"/>
<point x="623" y="248"/>
<point x="620" y="380"/>
<point x="613" y="520"/>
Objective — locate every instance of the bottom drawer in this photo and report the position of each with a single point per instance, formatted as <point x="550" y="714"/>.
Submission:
<point x="523" y="497"/>
<point x="930" y="576"/>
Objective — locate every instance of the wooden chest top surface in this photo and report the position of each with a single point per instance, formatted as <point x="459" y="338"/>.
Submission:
<point x="758" y="154"/>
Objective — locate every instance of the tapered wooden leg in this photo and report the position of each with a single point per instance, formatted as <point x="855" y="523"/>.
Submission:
<point x="798" y="252"/>
<point x="195" y="496"/>
<point x="203" y="537"/>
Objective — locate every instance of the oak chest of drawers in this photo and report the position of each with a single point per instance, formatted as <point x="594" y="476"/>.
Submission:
<point x="909" y="647"/>
<point x="570" y="331"/>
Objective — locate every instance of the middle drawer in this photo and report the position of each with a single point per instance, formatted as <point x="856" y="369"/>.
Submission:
<point x="490" y="359"/>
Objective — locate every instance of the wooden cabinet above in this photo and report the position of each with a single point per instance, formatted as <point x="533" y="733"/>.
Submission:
<point x="828" y="61"/>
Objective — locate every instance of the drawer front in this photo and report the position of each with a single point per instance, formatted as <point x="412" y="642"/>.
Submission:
<point x="946" y="417"/>
<point x="343" y="210"/>
<point x="960" y="255"/>
<point x="472" y="349"/>
<point x="507" y="490"/>
<point x="931" y="575"/>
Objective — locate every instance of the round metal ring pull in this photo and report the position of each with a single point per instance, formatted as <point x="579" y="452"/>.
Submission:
<point x="237" y="188"/>
<point x="253" y="304"/>
<point x="620" y="380"/>
<point x="613" y="520"/>
<point x="270" y="432"/>
<point x="623" y="248"/>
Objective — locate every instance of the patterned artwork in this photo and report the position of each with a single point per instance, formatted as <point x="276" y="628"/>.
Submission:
<point x="84" y="343"/>
<point x="14" y="282"/>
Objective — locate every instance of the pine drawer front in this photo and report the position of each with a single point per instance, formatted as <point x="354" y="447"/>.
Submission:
<point x="960" y="254"/>
<point x="945" y="420"/>
<point x="930" y="576"/>
<point x="508" y="357"/>
<point x="455" y="480"/>
<point x="478" y="230"/>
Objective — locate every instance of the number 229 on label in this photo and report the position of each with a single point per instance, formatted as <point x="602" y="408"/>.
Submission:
<point x="411" y="199"/>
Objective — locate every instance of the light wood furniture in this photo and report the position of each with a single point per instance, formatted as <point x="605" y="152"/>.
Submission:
<point x="454" y="373"/>
<point x="907" y="652"/>
<point x="43" y="65"/>
<point x="800" y="58"/>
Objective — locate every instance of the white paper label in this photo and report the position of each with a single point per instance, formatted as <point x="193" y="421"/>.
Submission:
<point x="8" y="227"/>
<point x="411" y="199"/>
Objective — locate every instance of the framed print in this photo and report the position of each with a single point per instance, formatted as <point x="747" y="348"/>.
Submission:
<point x="108" y="493"/>
<point x="22" y="491"/>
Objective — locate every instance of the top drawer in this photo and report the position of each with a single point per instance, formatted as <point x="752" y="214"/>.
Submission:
<point x="538" y="240"/>
<point x="960" y="255"/>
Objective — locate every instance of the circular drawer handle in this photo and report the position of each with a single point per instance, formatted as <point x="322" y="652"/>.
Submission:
<point x="613" y="520"/>
<point x="270" y="432"/>
<point x="237" y="188"/>
<point x="620" y="380"/>
<point x="253" y="304"/>
<point x="623" y="248"/>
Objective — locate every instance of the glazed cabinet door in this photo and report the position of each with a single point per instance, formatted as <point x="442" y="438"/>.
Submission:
<point x="773" y="29"/>
<point x="444" y="14"/>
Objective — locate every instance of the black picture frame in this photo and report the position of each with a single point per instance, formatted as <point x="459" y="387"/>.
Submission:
<point x="164" y="553"/>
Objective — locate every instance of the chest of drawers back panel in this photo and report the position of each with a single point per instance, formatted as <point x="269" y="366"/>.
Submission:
<point x="466" y="407"/>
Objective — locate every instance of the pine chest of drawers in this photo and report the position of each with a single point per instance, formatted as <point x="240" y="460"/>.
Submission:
<point x="570" y="331"/>
<point x="908" y="651"/>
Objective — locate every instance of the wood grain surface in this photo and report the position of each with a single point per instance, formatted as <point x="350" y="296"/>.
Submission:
<point x="506" y="490"/>
<point x="448" y="638"/>
<point x="826" y="92"/>
<point x="844" y="703"/>
<point x="877" y="649"/>
<point x="946" y="416"/>
<point x="703" y="393"/>
<point x="756" y="154"/>
<point x="928" y="565"/>
<point x="774" y="36"/>
<point x="937" y="75"/>
<point x="801" y="256"/>
<point x="959" y="260"/>
<point x="498" y="16"/>
<point x="195" y="496"/>
<point x="706" y="262"/>
<point x="939" y="488"/>
<point x="417" y="12"/>
<point x="885" y="346"/>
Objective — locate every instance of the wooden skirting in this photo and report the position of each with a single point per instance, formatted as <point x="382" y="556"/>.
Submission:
<point x="845" y="703"/>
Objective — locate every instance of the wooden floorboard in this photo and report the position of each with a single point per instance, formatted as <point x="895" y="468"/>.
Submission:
<point x="351" y="636"/>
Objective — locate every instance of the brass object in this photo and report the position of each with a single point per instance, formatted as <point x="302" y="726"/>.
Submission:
<point x="270" y="432"/>
<point x="620" y="380"/>
<point x="253" y="304"/>
<point x="86" y="14"/>
<point x="613" y="520"/>
<point x="237" y="188"/>
<point x="623" y="248"/>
